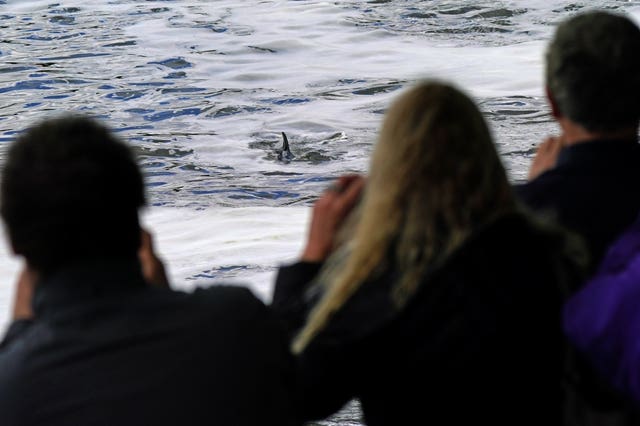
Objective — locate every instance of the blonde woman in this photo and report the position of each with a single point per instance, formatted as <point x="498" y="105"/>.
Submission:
<point x="425" y="292"/>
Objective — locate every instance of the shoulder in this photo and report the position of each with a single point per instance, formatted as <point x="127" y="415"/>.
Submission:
<point x="232" y="316"/>
<point x="12" y="349"/>
<point x="544" y="238"/>
<point x="623" y="250"/>
<point x="227" y="298"/>
<point x="244" y="319"/>
<point x="15" y="331"/>
<point x="543" y="190"/>
<point x="518" y="228"/>
<point x="225" y="292"/>
<point x="522" y="245"/>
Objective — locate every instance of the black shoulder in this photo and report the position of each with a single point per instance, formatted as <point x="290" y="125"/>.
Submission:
<point x="231" y="301"/>
<point x="225" y="291"/>
<point x="226" y="294"/>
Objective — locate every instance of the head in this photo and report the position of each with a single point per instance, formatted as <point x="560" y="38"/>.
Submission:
<point x="70" y="193"/>
<point x="434" y="178"/>
<point x="592" y="71"/>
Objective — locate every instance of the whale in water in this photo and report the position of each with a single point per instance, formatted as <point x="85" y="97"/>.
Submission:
<point x="285" y="154"/>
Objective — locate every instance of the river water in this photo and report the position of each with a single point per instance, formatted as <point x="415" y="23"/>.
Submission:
<point x="203" y="89"/>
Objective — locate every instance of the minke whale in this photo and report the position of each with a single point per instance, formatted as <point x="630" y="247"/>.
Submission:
<point x="285" y="154"/>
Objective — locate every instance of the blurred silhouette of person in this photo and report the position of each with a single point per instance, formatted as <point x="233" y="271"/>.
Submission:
<point x="98" y="337"/>
<point x="425" y="291"/>
<point x="588" y="177"/>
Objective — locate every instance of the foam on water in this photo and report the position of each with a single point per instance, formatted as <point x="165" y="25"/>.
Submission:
<point x="203" y="90"/>
<point x="238" y="246"/>
<point x="245" y="243"/>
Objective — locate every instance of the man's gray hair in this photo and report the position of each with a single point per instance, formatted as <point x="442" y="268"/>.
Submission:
<point x="593" y="70"/>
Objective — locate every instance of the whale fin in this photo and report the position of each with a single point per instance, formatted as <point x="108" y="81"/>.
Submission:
<point x="285" y="154"/>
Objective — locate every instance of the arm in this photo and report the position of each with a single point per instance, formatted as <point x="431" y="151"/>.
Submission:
<point x="291" y="299"/>
<point x="324" y="371"/>
<point x="327" y="377"/>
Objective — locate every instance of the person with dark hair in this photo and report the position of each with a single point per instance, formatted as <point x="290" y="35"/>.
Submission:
<point x="588" y="178"/>
<point x="430" y="296"/>
<point x="98" y="337"/>
<point x="71" y="192"/>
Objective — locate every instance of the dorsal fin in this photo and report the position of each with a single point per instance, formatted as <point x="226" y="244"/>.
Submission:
<point x="285" y="154"/>
<point x="285" y="143"/>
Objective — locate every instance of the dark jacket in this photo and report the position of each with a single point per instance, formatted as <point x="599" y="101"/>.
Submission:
<point x="593" y="190"/>
<point x="106" y="349"/>
<point x="479" y="343"/>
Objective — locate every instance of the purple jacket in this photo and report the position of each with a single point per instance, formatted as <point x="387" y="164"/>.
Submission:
<point x="603" y="318"/>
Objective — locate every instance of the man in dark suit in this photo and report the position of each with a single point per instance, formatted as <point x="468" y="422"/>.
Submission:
<point x="588" y="178"/>
<point x="98" y="337"/>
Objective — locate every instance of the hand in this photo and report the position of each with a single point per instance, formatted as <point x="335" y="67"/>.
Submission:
<point x="329" y="211"/>
<point x="153" y="268"/>
<point x="23" y="297"/>
<point x="546" y="156"/>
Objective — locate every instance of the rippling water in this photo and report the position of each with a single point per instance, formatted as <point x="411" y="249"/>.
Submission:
<point x="203" y="90"/>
